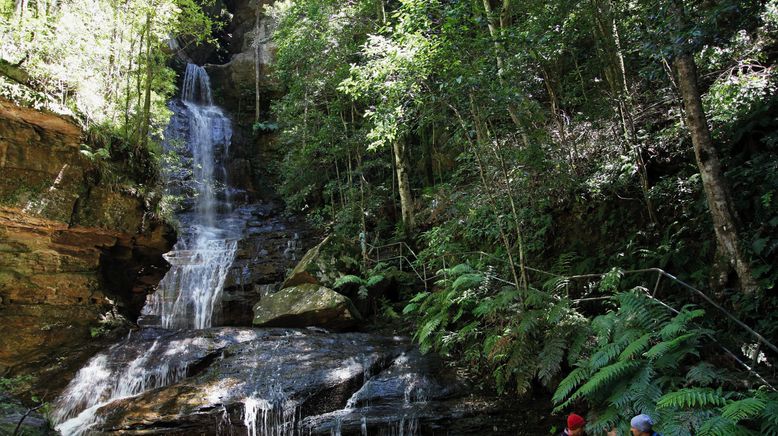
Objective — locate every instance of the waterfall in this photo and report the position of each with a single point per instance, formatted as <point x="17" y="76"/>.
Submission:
<point x="190" y="292"/>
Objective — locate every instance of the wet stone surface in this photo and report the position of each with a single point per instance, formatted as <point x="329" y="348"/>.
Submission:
<point x="246" y="381"/>
<point x="272" y="244"/>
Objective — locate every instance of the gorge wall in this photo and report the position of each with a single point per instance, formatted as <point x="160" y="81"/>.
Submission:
<point x="69" y="245"/>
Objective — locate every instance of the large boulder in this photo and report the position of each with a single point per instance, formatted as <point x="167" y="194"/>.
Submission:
<point x="306" y="305"/>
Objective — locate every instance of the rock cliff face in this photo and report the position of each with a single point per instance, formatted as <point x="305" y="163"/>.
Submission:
<point x="249" y="45"/>
<point x="67" y="244"/>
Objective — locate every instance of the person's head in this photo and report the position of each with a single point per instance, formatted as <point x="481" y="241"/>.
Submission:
<point x="575" y="425"/>
<point x="641" y="425"/>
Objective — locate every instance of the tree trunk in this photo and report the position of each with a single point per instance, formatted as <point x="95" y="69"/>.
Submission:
<point x="484" y="137"/>
<point x="20" y="8"/>
<point x="144" y="131"/>
<point x="498" y="49"/>
<point x="616" y="75"/>
<point x="403" y="185"/>
<point x="257" y="67"/>
<point x="489" y="195"/>
<point x="713" y="181"/>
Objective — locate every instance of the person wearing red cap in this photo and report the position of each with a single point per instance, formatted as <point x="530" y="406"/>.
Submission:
<point x="575" y="425"/>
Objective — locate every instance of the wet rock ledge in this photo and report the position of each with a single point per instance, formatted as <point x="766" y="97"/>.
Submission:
<point x="298" y="381"/>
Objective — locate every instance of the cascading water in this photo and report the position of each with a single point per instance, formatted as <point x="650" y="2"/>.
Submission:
<point x="190" y="293"/>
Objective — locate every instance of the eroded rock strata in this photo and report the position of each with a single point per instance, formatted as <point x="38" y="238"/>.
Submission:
<point x="68" y="244"/>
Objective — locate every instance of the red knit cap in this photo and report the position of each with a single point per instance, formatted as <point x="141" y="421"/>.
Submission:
<point x="575" y="422"/>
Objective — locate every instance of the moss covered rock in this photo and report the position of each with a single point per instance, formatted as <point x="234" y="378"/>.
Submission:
<point x="325" y="263"/>
<point x="306" y="305"/>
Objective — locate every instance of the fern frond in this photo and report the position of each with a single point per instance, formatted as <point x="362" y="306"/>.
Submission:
<point x="679" y="324"/>
<point x="467" y="281"/>
<point x="606" y="376"/>
<point x="550" y="359"/>
<point x="374" y="280"/>
<point x="746" y="408"/>
<point x="419" y="297"/>
<point x="635" y="347"/>
<point x="665" y="347"/>
<point x="555" y="284"/>
<point x="692" y="398"/>
<point x="604" y="355"/>
<point x="603" y="326"/>
<point x="348" y="280"/>
<point x="703" y="374"/>
<point x="428" y="327"/>
<point x="580" y="337"/>
<point x="569" y="384"/>
<point x="456" y="270"/>
<point x="721" y="426"/>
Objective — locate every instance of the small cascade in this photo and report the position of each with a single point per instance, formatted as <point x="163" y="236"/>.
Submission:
<point x="190" y="293"/>
<point x="265" y="418"/>
<point x="101" y="381"/>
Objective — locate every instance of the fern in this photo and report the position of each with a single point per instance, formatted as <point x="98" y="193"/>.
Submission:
<point x="467" y="281"/>
<point x="720" y="426"/>
<point x="635" y="347"/>
<point x="605" y="376"/>
<point x="604" y="355"/>
<point x="348" y="280"/>
<point x="374" y="280"/>
<point x="665" y="347"/>
<point x="550" y="359"/>
<point x="580" y="337"/>
<point x="680" y="323"/>
<point x="569" y="384"/>
<point x="428" y="327"/>
<point x="704" y="374"/>
<point x="692" y="397"/>
<point x="746" y="408"/>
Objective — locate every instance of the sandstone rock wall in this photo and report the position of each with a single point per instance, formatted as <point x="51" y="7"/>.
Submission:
<point x="67" y="243"/>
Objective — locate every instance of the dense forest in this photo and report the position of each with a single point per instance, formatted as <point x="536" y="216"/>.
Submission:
<point x="568" y="137"/>
<point x="570" y="201"/>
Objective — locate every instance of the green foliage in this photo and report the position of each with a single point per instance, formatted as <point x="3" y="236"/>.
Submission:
<point x="15" y="385"/>
<point x="514" y="336"/>
<point x="527" y="129"/>
<point x="264" y="126"/>
<point x="102" y="61"/>
<point x="635" y="369"/>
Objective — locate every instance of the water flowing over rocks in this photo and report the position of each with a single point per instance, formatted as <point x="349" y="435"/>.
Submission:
<point x="282" y="381"/>
<point x="189" y="294"/>
<point x="182" y="374"/>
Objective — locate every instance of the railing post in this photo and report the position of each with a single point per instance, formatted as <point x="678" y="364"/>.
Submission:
<point x="656" y="285"/>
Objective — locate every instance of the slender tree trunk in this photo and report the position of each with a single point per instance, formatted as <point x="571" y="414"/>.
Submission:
<point x="403" y="185"/>
<point x="146" y="120"/>
<point x="489" y="196"/>
<point x="713" y="180"/>
<point x="20" y="8"/>
<point x="484" y="136"/>
<point x="616" y="75"/>
<point x="128" y="93"/>
<point x="494" y="32"/>
<point x="257" y="66"/>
